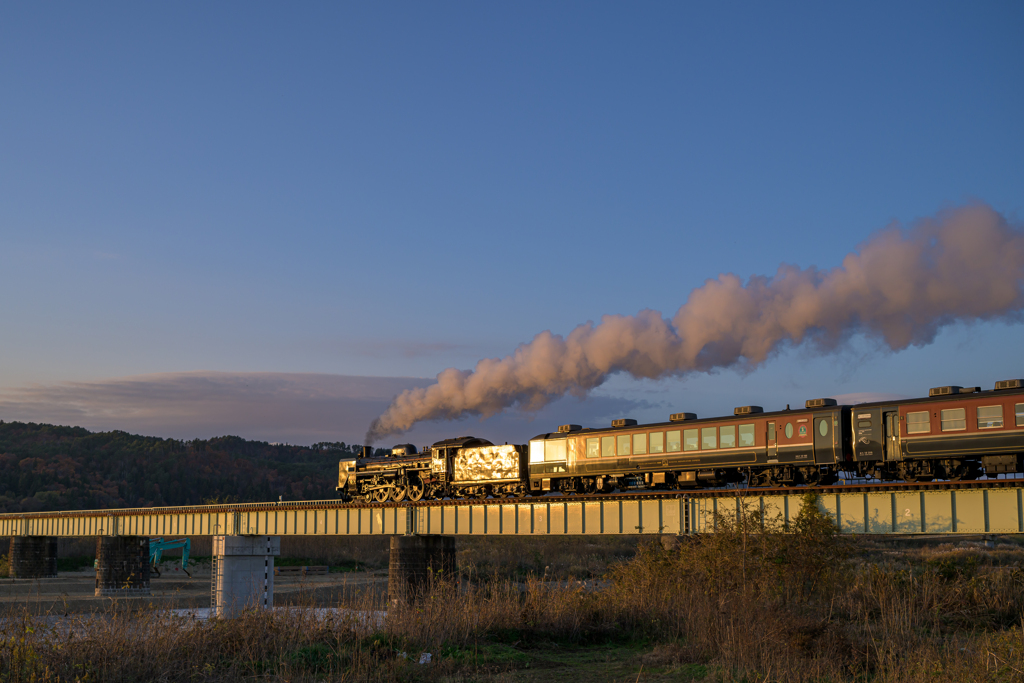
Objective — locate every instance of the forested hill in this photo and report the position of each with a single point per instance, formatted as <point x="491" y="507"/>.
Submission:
<point x="43" y="467"/>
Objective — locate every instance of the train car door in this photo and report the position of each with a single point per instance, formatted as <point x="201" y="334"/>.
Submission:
<point x="824" y="439"/>
<point x="892" y="435"/>
<point x="868" y="434"/>
<point x="773" y="446"/>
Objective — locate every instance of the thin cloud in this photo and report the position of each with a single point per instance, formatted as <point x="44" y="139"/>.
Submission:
<point x="298" y="408"/>
<point x="293" y="407"/>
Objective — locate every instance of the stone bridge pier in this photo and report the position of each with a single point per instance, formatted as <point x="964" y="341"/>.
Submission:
<point x="416" y="561"/>
<point x="33" y="557"/>
<point x="122" y="566"/>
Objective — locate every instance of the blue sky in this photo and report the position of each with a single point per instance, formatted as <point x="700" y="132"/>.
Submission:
<point x="388" y="190"/>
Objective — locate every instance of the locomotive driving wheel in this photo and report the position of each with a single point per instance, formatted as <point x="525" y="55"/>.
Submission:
<point x="381" y="495"/>
<point x="398" y="493"/>
<point x="415" y="491"/>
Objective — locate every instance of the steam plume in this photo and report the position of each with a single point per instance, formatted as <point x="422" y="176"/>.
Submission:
<point x="901" y="287"/>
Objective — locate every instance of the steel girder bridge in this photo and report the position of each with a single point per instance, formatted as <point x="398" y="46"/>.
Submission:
<point x="979" y="507"/>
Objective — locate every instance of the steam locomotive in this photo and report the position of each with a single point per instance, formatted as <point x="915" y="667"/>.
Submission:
<point x="955" y="433"/>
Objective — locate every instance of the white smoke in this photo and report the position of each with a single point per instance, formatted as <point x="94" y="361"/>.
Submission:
<point x="901" y="287"/>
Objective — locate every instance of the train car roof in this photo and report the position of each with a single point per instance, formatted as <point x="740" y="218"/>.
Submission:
<point x="990" y="393"/>
<point x="993" y="393"/>
<point x="685" y="423"/>
<point x="461" y="442"/>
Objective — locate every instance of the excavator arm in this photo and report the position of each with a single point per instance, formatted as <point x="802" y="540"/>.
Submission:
<point x="157" y="546"/>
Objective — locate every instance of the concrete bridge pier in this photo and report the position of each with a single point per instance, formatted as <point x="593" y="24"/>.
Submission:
<point x="415" y="561"/>
<point x="122" y="566"/>
<point x="33" y="557"/>
<point x="243" y="573"/>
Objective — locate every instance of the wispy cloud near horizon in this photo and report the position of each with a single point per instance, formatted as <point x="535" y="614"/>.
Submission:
<point x="298" y="408"/>
<point x="292" y="407"/>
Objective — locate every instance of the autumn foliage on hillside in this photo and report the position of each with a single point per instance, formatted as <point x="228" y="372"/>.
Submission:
<point x="44" y="467"/>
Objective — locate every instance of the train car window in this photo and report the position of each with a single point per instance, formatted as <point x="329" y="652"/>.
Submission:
<point x="607" y="446"/>
<point x="622" y="448"/>
<point x="823" y="427"/>
<point x="639" y="444"/>
<point x="918" y="423"/>
<point x="746" y="436"/>
<point x="990" y="417"/>
<point x="1019" y="411"/>
<point x="953" y="419"/>
<point x="727" y="436"/>
<point x="657" y="442"/>
<point x="554" y="450"/>
<point x="771" y="431"/>
<point x="789" y="430"/>
<point x="691" y="439"/>
<point x="673" y="442"/>
<point x="708" y="438"/>
<point x="593" y="447"/>
<point x="537" y="451"/>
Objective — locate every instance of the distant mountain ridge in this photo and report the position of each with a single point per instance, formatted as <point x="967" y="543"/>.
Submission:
<point x="45" y="467"/>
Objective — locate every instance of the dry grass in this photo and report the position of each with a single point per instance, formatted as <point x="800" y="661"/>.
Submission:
<point x="745" y="604"/>
<point x="578" y="557"/>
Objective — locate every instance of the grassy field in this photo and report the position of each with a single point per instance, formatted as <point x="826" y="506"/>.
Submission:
<point x="742" y="605"/>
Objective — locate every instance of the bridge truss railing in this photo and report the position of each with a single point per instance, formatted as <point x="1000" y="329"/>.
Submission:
<point x="866" y="510"/>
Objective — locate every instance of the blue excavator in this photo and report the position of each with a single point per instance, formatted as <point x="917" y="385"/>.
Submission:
<point x="157" y="546"/>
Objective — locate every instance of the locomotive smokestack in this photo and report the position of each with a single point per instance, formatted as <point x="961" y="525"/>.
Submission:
<point x="900" y="288"/>
<point x="367" y="452"/>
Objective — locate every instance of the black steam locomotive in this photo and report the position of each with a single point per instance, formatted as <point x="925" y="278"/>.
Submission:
<point x="956" y="433"/>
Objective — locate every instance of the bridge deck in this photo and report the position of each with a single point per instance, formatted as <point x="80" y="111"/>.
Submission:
<point x="940" y="508"/>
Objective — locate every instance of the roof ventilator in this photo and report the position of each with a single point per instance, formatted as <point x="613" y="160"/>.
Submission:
<point x="943" y="391"/>
<point x="624" y="422"/>
<point x="682" y="417"/>
<point x="565" y="429"/>
<point x="1009" y="384"/>
<point x="819" y="402"/>
<point x="747" y="410"/>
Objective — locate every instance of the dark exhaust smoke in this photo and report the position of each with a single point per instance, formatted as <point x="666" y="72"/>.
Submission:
<point x="900" y="288"/>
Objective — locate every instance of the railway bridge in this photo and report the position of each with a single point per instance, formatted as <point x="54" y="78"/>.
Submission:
<point x="247" y="536"/>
